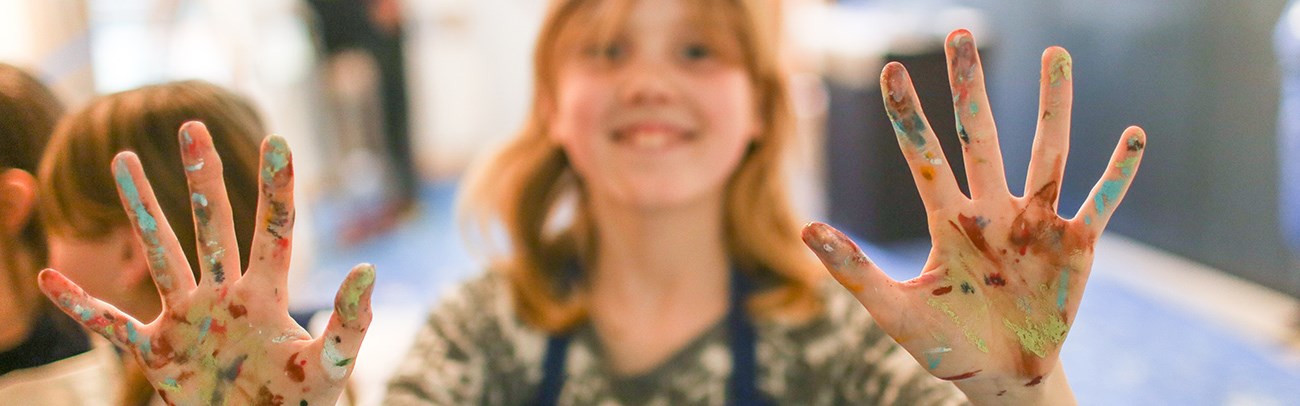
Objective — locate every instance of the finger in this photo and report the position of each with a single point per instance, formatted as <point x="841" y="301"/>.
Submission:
<point x="171" y="272"/>
<point x="1110" y="190"/>
<point x="348" y="324"/>
<point x="102" y="318"/>
<point x="851" y="267"/>
<point x="1052" y="144"/>
<point x="934" y="179"/>
<point x="975" y="128"/>
<point x="213" y="224"/>
<point x="273" y="229"/>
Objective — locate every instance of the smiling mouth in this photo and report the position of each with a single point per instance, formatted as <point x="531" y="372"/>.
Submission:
<point x="652" y="135"/>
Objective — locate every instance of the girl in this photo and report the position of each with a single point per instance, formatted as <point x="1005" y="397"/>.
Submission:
<point x="653" y="258"/>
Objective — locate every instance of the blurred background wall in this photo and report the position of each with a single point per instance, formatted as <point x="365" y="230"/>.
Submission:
<point x="1201" y="78"/>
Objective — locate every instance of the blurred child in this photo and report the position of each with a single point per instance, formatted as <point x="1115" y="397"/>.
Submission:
<point x="89" y="234"/>
<point x="45" y="357"/>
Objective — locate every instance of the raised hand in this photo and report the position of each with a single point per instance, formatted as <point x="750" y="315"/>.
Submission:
<point x="227" y="339"/>
<point x="1003" y="281"/>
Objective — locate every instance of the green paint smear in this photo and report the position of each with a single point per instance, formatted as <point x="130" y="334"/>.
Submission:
<point x="275" y="159"/>
<point x="1042" y="337"/>
<point x="352" y="294"/>
<point x="974" y="108"/>
<point x="1108" y="194"/>
<point x="970" y="335"/>
<point x="1126" y="166"/>
<point x="1061" y="67"/>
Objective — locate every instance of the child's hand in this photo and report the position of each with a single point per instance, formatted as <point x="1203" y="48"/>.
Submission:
<point x="1006" y="274"/>
<point x="227" y="339"/>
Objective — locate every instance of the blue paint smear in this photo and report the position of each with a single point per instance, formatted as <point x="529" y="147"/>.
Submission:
<point x="1063" y="289"/>
<point x="275" y="159"/>
<point x="86" y="314"/>
<point x="1108" y="194"/>
<point x="124" y="180"/>
<point x="203" y="327"/>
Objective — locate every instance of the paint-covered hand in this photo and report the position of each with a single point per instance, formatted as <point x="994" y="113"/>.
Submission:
<point x="227" y="339"/>
<point x="1005" y="276"/>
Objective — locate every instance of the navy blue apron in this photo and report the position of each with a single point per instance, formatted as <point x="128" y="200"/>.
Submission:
<point x="742" y="388"/>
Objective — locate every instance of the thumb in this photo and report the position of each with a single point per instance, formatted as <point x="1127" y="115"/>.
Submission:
<point x="851" y="267"/>
<point x="348" y="324"/>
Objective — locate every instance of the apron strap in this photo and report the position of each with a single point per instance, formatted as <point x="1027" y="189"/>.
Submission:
<point x="742" y="388"/>
<point x="557" y="350"/>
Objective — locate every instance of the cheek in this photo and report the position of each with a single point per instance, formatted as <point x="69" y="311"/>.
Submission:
<point x="580" y="104"/>
<point x="79" y="262"/>
<point x="729" y="102"/>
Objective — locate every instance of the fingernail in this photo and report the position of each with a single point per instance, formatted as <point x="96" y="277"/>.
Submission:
<point x="350" y="302"/>
<point x="1061" y="68"/>
<point x="191" y="149"/>
<point x="275" y="159"/>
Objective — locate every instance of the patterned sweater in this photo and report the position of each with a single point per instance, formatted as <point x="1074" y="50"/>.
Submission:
<point x="474" y="350"/>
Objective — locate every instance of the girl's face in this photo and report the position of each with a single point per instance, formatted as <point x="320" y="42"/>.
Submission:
<point x="657" y="117"/>
<point x="108" y="268"/>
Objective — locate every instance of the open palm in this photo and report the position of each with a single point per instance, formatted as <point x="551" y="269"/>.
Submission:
<point x="227" y="339"/>
<point x="1006" y="274"/>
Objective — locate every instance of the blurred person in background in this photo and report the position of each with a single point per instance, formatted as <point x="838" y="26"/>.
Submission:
<point x="374" y="27"/>
<point x="45" y="357"/>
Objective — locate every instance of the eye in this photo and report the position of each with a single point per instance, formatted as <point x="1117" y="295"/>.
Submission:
<point x="609" y="52"/>
<point x="696" y="52"/>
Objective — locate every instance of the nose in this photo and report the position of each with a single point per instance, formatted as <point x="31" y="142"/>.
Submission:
<point x="648" y="82"/>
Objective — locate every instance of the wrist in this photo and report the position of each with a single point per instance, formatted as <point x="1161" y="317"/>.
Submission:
<point x="1054" y="389"/>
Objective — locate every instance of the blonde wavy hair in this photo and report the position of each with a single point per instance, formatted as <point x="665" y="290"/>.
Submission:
<point x="529" y="191"/>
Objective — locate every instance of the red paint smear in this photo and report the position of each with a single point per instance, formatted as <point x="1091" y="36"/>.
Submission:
<point x="963" y="63"/>
<point x="164" y="354"/>
<point x="1026" y="231"/>
<point x="995" y="280"/>
<point x="942" y="291"/>
<point x="238" y="310"/>
<point x="217" y="327"/>
<point x="976" y="236"/>
<point x="194" y="149"/>
<point x="967" y="375"/>
<point x="294" y="369"/>
<point x="1037" y="380"/>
